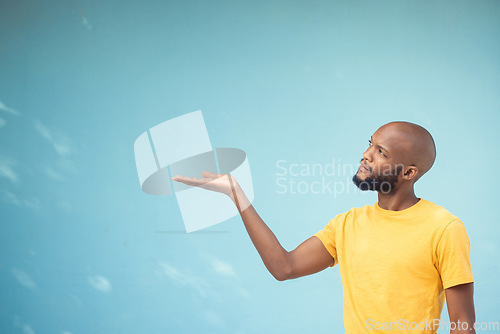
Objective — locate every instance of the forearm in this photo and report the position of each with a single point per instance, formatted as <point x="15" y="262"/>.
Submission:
<point x="462" y="326"/>
<point x="274" y="256"/>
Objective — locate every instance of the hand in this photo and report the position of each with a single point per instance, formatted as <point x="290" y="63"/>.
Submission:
<point x="222" y="183"/>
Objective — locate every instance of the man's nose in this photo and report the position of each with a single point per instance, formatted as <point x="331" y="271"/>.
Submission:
<point x="367" y="156"/>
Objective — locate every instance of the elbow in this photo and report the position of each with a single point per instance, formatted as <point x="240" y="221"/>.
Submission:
<point x="283" y="274"/>
<point x="281" y="267"/>
<point x="280" y="277"/>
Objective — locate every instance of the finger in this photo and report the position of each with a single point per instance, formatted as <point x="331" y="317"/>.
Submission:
<point x="210" y="174"/>
<point x="191" y="181"/>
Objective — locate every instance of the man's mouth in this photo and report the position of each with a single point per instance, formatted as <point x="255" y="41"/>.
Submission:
<point x="363" y="168"/>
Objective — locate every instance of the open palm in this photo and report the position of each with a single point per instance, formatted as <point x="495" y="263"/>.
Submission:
<point x="222" y="183"/>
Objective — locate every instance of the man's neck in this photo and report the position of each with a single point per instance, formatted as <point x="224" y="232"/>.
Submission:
<point x="397" y="200"/>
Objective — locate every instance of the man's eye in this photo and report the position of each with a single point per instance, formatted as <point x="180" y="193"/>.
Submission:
<point x="381" y="152"/>
<point x="369" y="142"/>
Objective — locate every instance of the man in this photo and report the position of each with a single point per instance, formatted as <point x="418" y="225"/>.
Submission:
<point x="398" y="259"/>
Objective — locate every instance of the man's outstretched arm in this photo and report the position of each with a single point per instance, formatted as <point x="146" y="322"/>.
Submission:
<point x="308" y="258"/>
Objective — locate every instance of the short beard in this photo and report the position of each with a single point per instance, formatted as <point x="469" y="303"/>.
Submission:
<point x="382" y="183"/>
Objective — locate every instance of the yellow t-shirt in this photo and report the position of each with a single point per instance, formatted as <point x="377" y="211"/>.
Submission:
<point x="395" y="265"/>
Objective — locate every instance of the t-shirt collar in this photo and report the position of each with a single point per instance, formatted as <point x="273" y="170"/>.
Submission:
<point x="392" y="213"/>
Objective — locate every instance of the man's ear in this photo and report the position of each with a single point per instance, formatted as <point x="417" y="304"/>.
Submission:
<point x="409" y="172"/>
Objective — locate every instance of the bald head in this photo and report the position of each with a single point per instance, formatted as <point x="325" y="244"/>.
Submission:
<point x="412" y="145"/>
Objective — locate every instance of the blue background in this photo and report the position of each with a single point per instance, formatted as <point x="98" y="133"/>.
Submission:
<point x="84" y="250"/>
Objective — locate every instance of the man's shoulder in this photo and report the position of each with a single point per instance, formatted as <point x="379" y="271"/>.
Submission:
<point x="365" y="209"/>
<point x="355" y="212"/>
<point x="426" y="210"/>
<point x="438" y="212"/>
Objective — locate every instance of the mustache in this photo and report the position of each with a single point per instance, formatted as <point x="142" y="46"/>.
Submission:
<point x="365" y="165"/>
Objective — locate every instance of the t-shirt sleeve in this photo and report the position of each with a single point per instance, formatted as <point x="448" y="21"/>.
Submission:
<point x="327" y="237"/>
<point x="453" y="255"/>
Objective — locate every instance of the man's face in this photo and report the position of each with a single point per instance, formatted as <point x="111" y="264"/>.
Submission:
<point x="380" y="167"/>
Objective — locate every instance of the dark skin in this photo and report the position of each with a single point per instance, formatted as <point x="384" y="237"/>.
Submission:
<point x="402" y="144"/>
<point x="391" y="146"/>
<point x="398" y="144"/>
